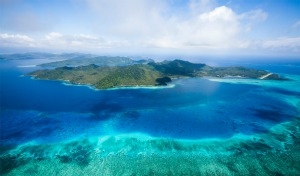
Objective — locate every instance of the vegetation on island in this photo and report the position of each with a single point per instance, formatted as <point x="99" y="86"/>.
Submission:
<point x="103" y="77"/>
<point x="146" y="74"/>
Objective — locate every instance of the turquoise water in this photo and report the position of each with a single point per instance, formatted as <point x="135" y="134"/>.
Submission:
<point x="195" y="126"/>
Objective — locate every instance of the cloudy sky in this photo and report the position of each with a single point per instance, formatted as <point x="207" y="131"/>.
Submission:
<point x="196" y="27"/>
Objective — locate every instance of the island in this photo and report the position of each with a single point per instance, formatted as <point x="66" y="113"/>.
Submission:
<point x="144" y="73"/>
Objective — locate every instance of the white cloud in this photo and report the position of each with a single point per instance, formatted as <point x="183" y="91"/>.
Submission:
<point x="55" y="40"/>
<point x="284" y="43"/>
<point x="78" y="41"/>
<point x="17" y="40"/>
<point x="53" y="35"/>
<point x="252" y="17"/>
<point x="125" y="19"/>
<point x="257" y="15"/>
<point x="214" y="29"/>
<point x="149" y="24"/>
<point x="144" y="23"/>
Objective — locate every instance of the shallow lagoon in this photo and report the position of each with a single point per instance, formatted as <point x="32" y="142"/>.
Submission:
<point x="199" y="126"/>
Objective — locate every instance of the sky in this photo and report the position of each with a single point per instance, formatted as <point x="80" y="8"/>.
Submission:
<point x="141" y="27"/>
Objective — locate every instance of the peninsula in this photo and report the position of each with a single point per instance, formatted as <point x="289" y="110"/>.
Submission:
<point x="144" y="74"/>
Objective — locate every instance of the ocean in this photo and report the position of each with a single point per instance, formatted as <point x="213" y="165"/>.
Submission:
<point x="196" y="126"/>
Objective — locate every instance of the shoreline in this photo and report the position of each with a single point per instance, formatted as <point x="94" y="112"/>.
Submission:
<point x="227" y="79"/>
<point x="68" y="83"/>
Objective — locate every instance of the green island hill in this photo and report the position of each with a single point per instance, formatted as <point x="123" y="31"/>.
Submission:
<point x="147" y="74"/>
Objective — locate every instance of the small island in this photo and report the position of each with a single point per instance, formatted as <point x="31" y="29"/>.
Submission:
<point x="144" y="74"/>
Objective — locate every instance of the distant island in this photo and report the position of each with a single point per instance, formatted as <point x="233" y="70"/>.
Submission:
<point x="139" y="73"/>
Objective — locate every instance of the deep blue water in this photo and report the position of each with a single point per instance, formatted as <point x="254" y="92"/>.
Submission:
<point x="49" y="111"/>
